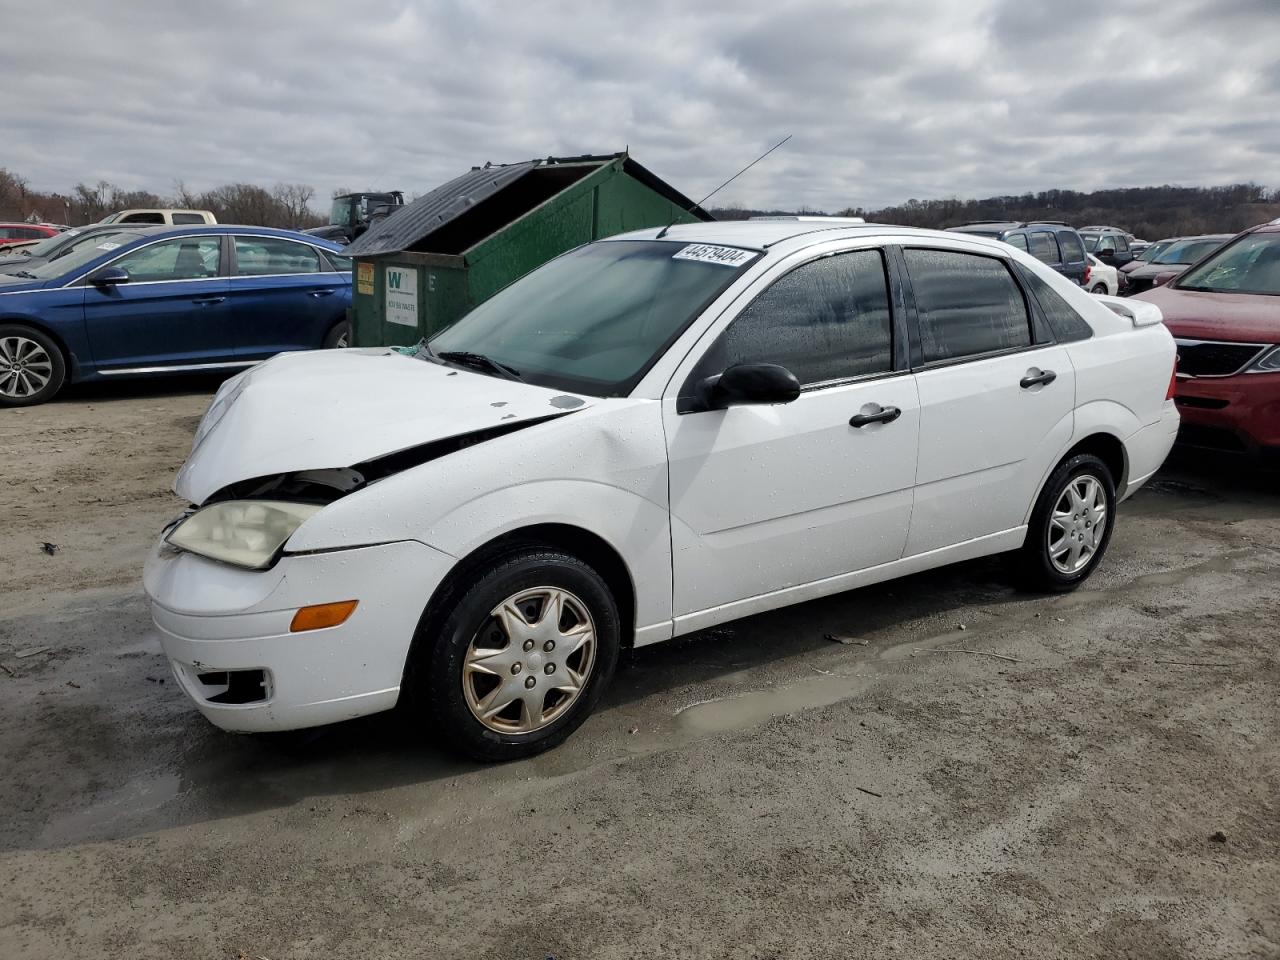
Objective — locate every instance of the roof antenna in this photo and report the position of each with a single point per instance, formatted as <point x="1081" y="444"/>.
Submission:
<point x="664" y="230"/>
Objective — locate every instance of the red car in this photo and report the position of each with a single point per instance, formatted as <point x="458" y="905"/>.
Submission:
<point x="24" y="232"/>
<point x="1224" y="313"/>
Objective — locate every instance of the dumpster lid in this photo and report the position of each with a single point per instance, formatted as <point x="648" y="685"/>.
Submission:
<point x="411" y="225"/>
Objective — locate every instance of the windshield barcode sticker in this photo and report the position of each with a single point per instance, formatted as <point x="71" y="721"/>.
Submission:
<point x="708" y="253"/>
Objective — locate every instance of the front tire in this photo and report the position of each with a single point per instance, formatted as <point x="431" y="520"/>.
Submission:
<point x="518" y="657"/>
<point x="1070" y="527"/>
<point x="32" y="368"/>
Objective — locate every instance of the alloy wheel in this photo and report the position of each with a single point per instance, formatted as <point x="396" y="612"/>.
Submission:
<point x="25" y="367"/>
<point x="530" y="661"/>
<point x="1077" y="524"/>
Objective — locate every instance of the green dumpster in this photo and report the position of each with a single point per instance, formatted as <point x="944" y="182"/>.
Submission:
<point x="431" y="261"/>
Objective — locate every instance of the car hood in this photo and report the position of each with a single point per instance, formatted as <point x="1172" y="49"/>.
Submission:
<point x="1250" y="318"/>
<point x="1153" y="270"/>
<point x="338" y="408"/>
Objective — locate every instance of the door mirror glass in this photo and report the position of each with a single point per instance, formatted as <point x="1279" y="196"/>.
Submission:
<point x="109" y="277"/>
<point x="747" y="383"/>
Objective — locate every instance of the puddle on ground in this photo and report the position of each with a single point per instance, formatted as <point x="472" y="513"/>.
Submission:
<point x="752" y="709"/>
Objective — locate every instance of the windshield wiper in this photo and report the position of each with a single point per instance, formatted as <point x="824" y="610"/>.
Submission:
<point x="480" y="361"/>
<point x="26" y="275"/>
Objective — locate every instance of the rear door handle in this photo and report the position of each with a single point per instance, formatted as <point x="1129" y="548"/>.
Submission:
<point x="1035" y="379"/>
<point x="207" y="300"/>
<point x="321" y="293"/>
<point x="886" y="415"/>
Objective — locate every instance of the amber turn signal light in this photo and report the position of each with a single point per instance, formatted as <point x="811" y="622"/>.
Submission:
<point x="322" y="615"/>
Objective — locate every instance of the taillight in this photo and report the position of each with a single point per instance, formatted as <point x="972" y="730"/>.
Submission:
<point x="1088" y="272"/>
<point x="1173" y="379"/>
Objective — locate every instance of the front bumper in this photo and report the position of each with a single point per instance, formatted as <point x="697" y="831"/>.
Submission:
<point x="1240" y="413"/>
<point x="216" y="620"/>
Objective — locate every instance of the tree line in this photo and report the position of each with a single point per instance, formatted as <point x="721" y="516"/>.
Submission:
<point x="1147" y="212"/>
<point x="285" y="205"/>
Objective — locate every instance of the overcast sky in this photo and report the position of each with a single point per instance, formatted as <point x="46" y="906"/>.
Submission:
<point x="887" y="100"/>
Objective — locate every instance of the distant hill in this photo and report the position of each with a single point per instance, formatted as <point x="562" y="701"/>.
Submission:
<point x="1147" y="212"/>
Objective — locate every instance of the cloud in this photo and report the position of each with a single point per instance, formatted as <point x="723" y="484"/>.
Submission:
<point x="886" y="101"/>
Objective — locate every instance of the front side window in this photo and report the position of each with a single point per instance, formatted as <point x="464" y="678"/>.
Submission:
<point x="594" y="320"/>
<point x="966" y="305"/>
<point x="186" y="258"/>
<point x="271" y="256"/>
<point x="143" y="218"/>
<point x="824" y="321"/>
<point x="1044" y="247"/>
<point x="1250" y="265"/>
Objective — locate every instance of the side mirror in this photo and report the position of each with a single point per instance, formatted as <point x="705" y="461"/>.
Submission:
<point x="1163" y="278"/>
<point x="109" y="276"/>
<point x="746" y="383"/>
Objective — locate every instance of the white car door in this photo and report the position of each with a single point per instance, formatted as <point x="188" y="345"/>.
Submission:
<point x="770" y="497"/>
<point x="997" y="398"/>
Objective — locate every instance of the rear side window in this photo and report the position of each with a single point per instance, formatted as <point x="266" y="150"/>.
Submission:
<point x="825" y="320"/>
<point x="1072" y="248"/>
<point x="270" y="256"/>
<point x="966" y="305"/>
<point x="188" y="218"/>
<point x="1018" y="240"/>
<point x="1066" y="324"/>
<point x="1044" y="247"/>
<point x="143" y="218"/>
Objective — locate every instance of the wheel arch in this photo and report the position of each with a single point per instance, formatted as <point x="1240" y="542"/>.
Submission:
<point x="68" y="355"/>
<point x="587" y="546"/>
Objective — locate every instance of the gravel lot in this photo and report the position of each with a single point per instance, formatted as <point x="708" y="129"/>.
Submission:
<point x="979" y="773"/>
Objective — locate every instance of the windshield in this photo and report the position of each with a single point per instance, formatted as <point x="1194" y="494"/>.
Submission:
<point x="49" y="244"/>
<point x="594" y="320"/>
<point x="88" y="248"/>
<point x="1153" y="251"/>
<point x="1250" y="265"/>
<point x="340" y="212"/>
<point x="1185" y="251"/>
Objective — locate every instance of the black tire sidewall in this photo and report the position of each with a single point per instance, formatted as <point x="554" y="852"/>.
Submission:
<point x="335" y="333"/>
<point x="1037" y="568"/>
<point x="59" y="374"/>
<point x="437" y="673"/>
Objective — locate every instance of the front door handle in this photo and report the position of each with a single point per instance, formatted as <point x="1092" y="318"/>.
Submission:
<point x="886" y="415"/>
<point x="1035" y="379"/>
<point x="321" y="293"/>
<point x="207" y="300"/>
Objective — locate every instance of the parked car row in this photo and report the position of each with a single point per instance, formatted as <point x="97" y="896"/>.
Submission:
<point x="1173" y="256"/>
<point x="124" y="301"/>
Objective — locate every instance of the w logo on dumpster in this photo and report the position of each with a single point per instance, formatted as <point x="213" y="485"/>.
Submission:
<point x="393" y="279"/>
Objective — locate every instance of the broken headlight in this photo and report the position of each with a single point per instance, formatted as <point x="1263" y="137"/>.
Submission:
<point x="246" y="533"/>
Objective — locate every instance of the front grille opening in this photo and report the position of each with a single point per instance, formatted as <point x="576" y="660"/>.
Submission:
<point x="1204" y="403"/>
<point x="235" y="686"/>
<point x="1215" y="358"/>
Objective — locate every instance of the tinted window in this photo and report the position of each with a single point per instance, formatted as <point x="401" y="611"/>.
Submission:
<point x="187" y="258"/>
<point x="1065" y="323"/>
<point x="1072" y="249"/>
<point x="1044" y="247"/>
<point x="143" y="218"/>
<point x="826" y="320"/>
<point x="269" y="256"/>
<point x="188" y="218"/>
<point x="966" y="305"/>
<point x="1018" y="240"/>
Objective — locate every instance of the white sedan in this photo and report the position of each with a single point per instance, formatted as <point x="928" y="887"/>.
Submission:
<point x="647" y="436"/>
<point x="1103" y="278"/>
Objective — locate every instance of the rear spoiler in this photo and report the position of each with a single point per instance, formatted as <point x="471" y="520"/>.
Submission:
<point x="1138" y="312"/>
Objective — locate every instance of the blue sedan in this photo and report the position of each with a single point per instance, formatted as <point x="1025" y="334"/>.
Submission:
<point x="169" y="300"/>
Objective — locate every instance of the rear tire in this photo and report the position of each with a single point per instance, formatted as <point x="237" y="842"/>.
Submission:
<point x="32" y="368"/>
<point x="1070" y="527"/>
<point x="339" y="336"/>
<point x="516" y="657"/>
<point x="1098" y="288"/>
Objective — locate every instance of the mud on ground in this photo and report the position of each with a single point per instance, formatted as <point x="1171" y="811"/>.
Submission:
<point x="1095" y="775"/>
